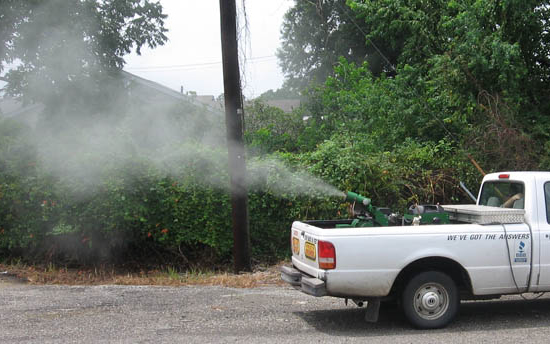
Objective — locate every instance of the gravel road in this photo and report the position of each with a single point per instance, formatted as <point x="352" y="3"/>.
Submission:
<point x="134" y="314"/>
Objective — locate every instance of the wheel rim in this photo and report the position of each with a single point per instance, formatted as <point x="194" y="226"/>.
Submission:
<point x="431" y="301"/>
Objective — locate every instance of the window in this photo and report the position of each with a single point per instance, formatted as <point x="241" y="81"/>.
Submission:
<point x="504" y="194"/>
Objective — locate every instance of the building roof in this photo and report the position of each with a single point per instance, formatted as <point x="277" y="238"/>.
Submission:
<point x="287" y="105"/>
<point x="166" y="91"/>
<point x="10" y="107"/>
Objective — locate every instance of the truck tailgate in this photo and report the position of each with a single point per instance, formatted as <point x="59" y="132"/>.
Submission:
<point x="304" y="248"/>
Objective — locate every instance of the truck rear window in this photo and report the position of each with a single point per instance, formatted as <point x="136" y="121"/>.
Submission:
<point x="505" y="194"/>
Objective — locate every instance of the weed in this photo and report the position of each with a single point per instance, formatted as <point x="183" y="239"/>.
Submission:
<point x="173" y="273"/>
<point x="50" y="268"/>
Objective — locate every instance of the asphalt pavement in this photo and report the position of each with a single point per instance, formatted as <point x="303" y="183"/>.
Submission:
<point x="146" y="314"/>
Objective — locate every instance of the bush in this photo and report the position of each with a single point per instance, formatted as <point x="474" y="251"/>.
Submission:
<point x="411" y="173"/>
<point x="134" y="209"/>
<point x="178" y="211"/>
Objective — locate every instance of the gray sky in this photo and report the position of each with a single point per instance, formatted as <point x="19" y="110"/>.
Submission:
<point x="192" y="56"/>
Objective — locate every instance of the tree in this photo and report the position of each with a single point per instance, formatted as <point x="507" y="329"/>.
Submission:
<point x="483" y="64"/>
<point x="59" y="48"/>
<point x="315" y="33"/>
<point x="471" y="72"/>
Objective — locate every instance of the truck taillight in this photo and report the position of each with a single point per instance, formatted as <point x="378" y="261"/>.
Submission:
<point x="327" y="255"/>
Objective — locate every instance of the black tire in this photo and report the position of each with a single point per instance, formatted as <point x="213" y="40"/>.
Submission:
<point x="430" y="300"/>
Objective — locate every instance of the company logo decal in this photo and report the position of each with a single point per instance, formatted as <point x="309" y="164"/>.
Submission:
<point x="521" y="255"/>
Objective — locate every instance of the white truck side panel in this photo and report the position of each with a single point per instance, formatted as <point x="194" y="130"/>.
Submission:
<point x="481" y="250"/>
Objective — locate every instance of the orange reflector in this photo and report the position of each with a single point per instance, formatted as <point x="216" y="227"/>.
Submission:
<point x="295" y="245"/>
<point x="503" y="176"/>
<point x="327" y="255"/>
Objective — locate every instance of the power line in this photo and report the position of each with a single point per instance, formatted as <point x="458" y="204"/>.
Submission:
<point x="367" y="37"/>
<point x="258" y="59"/>
<point x="415" y="91"/>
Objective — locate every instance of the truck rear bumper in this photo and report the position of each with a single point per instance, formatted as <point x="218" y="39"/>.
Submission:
<point x="307" y="284"/>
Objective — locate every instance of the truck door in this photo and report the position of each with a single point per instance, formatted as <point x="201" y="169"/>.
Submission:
<point x="543" y="215"/>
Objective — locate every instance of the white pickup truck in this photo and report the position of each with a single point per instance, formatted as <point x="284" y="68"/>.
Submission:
<point x="499" y="246"/>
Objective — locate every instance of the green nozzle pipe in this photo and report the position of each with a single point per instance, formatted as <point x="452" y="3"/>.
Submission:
<point x="353" y="197"/>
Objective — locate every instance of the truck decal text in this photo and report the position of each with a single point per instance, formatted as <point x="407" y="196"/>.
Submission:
<point x="311" y="239"/>
<point x="482" y="236"/>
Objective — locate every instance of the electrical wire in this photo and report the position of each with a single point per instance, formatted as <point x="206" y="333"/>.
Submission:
<point x="521" y="294"/>
<point x="192" y="66"/>
<point x="366" y="36"/>
<point x="438" y="120"/>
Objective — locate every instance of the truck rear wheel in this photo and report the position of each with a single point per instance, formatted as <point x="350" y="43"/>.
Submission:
<point x="430" y="300"/>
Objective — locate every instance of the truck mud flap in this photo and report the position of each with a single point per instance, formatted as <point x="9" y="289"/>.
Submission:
<point x="309" y="285"/>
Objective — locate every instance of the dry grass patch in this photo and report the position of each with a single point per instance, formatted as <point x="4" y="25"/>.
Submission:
<point x="169" y="276"/>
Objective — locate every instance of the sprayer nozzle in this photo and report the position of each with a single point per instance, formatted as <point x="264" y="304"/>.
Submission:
<point x="354" y="197"/>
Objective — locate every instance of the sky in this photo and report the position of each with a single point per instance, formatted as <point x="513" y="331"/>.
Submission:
<point x="192" y="56"/>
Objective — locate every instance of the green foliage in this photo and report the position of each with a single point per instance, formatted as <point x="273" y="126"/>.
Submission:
<point x="477" y="66"/>
<point x="270" y="129"/>
<point x="410" y="172"/>
<point x="387" y="109"/>
<point x="136" y="210"/>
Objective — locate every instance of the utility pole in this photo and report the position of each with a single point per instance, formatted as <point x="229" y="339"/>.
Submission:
<point x="234" y="124"/>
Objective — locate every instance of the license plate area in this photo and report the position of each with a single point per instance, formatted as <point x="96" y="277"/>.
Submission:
<point x="310" y="250"/>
